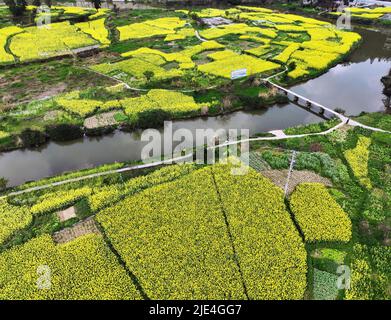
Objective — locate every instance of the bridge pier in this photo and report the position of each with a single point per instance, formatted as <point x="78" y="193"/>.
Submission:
<point x="307" y="103"/>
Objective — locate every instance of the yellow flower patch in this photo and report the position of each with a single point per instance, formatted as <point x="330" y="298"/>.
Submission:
<point x="171" y="101"/>
<point x="109" y="195"/>
<point x="96" y="29"/>
<point x="12" y="219"/>
<point x="358" y="160"/>
<point x="368" y="15"/>
<point x="260" y="51"/>
<point x="73" y="10"/>
<point x="57" y="39"/>
<point x="297" y="72"/>
<point x="137" y="67"/>
<point x="314" y="59"/>
<point x="198" y="260"/>
<point x="256" y="9"/>
<point x="5" y="33"/>
<point x="223" y="68"/>
<point x="180" y="34"/>
<point x="290" y="28"/>
<point x="151" y="59"/>
<point x="285" y="55"/>
<point x="150" y="28"/>
<point x="260" y="16"/>
<point x="219" y="55"/>
<point x="210" y="13"/>
<point x="263" y="235"/>
<point x="321" y="33"/>
<point x="255" y="38"/>
<point x="319" y="216"/>
<point x="84" y="268"/>
<point x="58" y="200"/>
<point x="99" y="13"/>
<point x="82" y="107"/>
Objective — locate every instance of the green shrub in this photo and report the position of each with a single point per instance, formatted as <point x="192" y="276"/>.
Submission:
<point x="64" y="132"/>
<point x="277" y="160"/>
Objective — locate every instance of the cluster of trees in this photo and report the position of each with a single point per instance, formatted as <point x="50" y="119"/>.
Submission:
<point x="386" y="80"/>
<point x="18" y="7"/>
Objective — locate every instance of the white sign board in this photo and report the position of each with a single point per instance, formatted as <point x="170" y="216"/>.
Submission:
<point x="240" y="73"/>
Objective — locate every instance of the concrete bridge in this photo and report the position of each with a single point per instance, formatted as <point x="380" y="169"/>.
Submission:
<point x="307" y="103"/>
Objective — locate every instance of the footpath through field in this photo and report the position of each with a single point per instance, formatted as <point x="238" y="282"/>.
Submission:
<point x="279" y="136"/>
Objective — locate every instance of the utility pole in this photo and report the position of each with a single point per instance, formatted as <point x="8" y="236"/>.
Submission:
<point x="290" y="172"/>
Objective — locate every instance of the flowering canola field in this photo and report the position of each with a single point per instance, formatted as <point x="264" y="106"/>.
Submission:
<point x="176" y="238"/>
<point x="308" y="46"/>
<point x="319" y="216"/>
<point x="81" y="269"/>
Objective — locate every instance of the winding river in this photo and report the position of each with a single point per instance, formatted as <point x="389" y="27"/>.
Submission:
<point x="353" y="86"/>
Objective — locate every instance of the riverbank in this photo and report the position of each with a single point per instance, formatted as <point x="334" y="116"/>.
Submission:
<point x="33" y="124"/>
